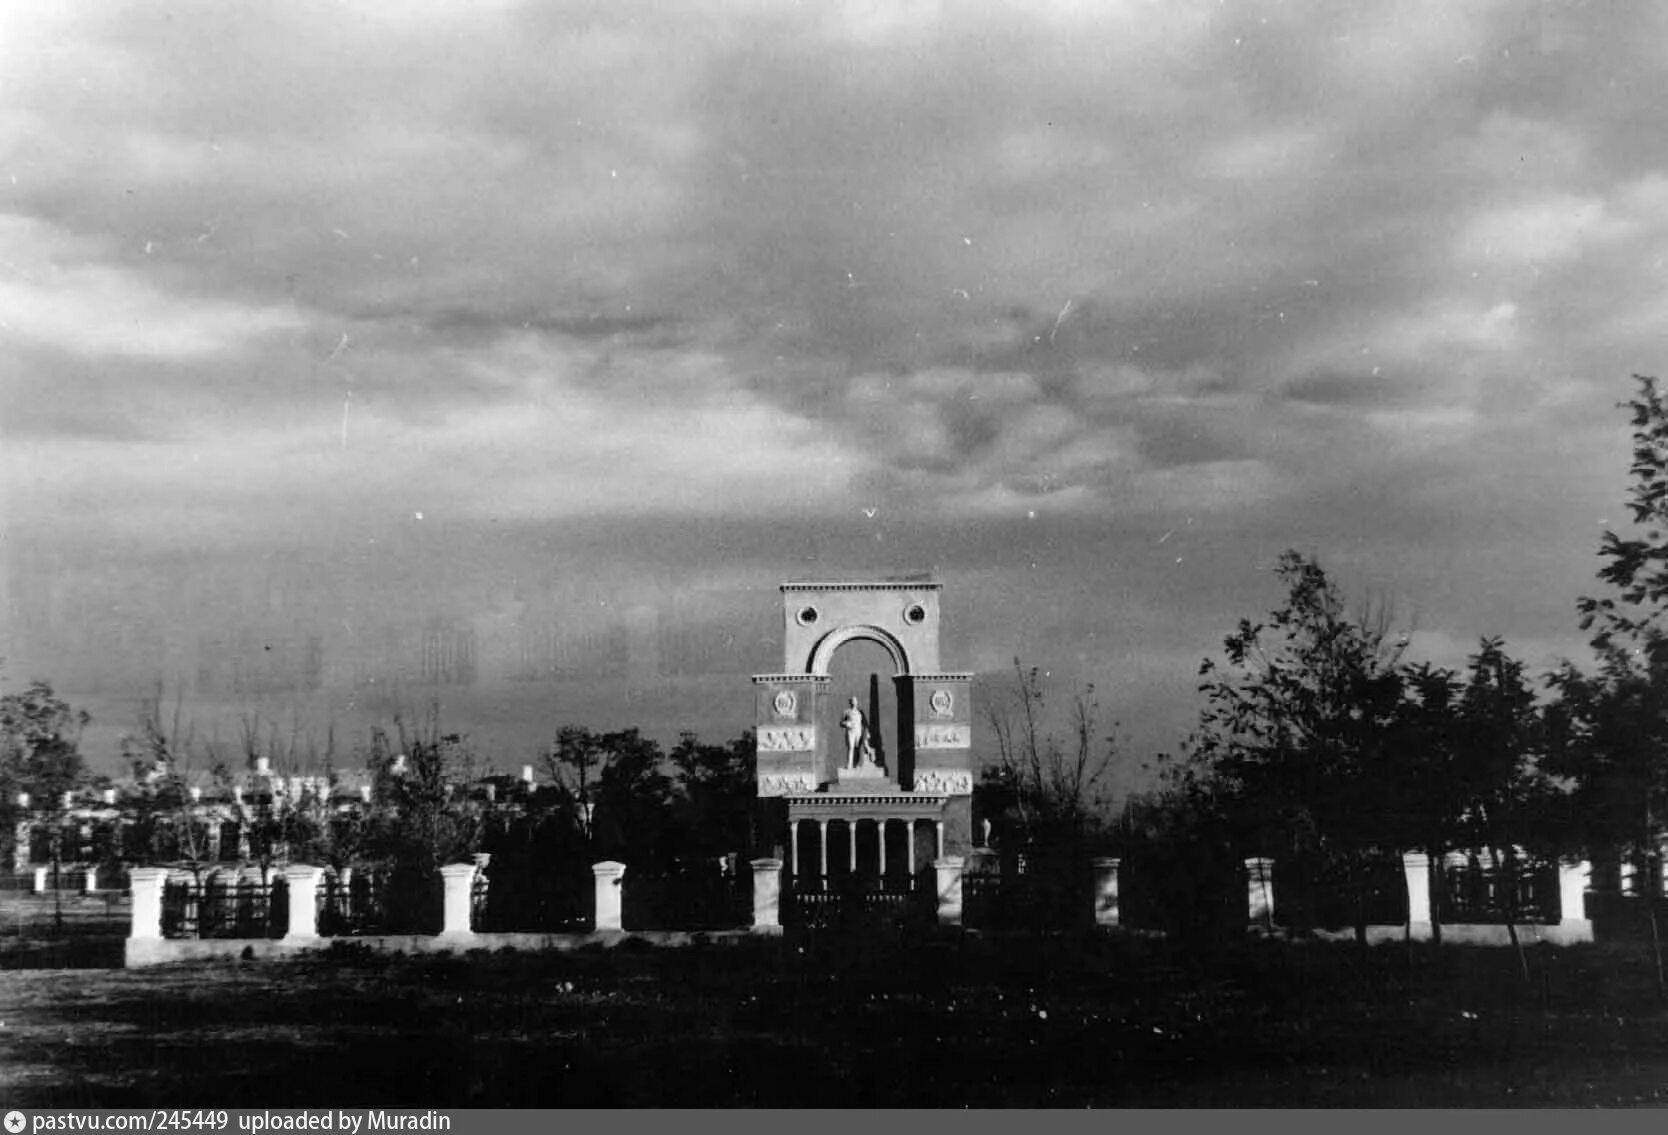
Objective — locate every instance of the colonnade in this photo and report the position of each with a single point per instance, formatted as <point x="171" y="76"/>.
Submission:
<point x="808" y="856"/>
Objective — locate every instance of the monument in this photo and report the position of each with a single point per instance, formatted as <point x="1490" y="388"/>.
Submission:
<point x="850" y="798"/>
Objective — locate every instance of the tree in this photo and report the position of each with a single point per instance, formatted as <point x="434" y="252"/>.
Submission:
<point x="1637" y="568"/>
<point x="714" y="795"/>
<point x="40" y="754"/>
<point x="1609" y="726"/>
<point x="40" y="745"/>
<point x="1055" y="788"/>
<point x="1504" y="793"/>
<point x="1299" y="730"/>
<point x="163" y="756"/>
<point x="422" y="819"/>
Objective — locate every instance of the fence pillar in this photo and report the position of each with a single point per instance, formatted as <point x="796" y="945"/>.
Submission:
<point x="949" y="868"/>
<point x="458" y="879"/>
<point x="303" y="885"/>
<point x="767" y="894"/>
<point x="1417" y="867"/>
<point x="610" y="876"/>
<point x="92" y="880"/>
<point x="1106" y="891"/>
<point x="1260" y="891"/>
<point x="40" y="880"/>
<point x="147" y="884"/>
<point x="1574" y="880"/>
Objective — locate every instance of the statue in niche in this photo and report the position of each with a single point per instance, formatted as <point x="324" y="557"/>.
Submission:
<point x="860" y="751"/>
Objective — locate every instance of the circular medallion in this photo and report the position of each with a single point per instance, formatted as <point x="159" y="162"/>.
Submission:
<point x="806" y="616"/>
<point x="942" y="702"/>
<point x="915" y="614"/>
<point x="785" y="703"/>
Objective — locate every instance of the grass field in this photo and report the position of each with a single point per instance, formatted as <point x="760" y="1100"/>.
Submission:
<point x="933" y="1021"/>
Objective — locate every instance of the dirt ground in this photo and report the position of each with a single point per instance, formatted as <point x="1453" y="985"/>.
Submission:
<point x="884" y="1020"/>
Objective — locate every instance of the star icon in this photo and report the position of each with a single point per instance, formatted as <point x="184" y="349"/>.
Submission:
<point x="15" y="1122"/>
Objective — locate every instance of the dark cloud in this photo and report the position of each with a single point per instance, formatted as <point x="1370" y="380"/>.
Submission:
<point x="429" y="311"/>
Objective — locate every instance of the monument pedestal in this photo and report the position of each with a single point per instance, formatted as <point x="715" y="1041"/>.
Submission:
<point x="864" y="778"/>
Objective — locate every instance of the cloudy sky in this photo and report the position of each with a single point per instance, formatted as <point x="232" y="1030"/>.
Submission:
<point x="356" y="354"/>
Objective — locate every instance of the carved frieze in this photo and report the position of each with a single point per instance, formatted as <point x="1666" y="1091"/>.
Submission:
<point x="787" y="738"/>
<point x="784" y="784"/>
<point x="943" y="737"/>
<point x="946" y="782"/>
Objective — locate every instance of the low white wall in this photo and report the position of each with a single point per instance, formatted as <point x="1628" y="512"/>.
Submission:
<point x="162" y="951"/>
<point x="1471" y="934"/>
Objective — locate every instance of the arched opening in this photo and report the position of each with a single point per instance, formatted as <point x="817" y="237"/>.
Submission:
<point x="862" y="668"/>
<point x="830" y="644"/>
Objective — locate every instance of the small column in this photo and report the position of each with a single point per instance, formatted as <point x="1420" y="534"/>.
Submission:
<point x="1260" y="892"/>
<point x="939" y="826"/>
<point x="91" y="883"/>
<point x="458" y="879"/>
<point x="40" y="880"/>
<point x="949" y="869"/>
<point x="1106" y="890"/>
<point x="822" y="856"/>
<point x="851" y="844"/>
<point x="767" y="894"/>
<point x="793" y="840"/>
<point x="303" y="882"/>
<point x="880" y="835"/>
<point x="610" y="877"/>
<point x="147" y="884"/>
<point x="1574" y="880"/>
<point x="909" y="849"/>
<point x="1417" y="867"/>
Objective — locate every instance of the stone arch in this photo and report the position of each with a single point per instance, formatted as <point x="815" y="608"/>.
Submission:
<point x="833" y="640"/>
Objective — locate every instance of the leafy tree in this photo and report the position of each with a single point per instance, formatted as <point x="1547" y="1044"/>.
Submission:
<point x="714" y="796"/>
<point x="1423" y="804"/>
<point x="421" y="819"/>
<point x="40" y="745"/>
<point x="1505" y="795"/>
<point x="1610" y="725"/>
<point x="40" y="754"/>
<point x="1299" y="730"/>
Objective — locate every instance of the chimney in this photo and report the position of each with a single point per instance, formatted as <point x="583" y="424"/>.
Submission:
<point x="196" y="794"/>
<point x="527" y="775"/>
<point x="365" y="793"/>
<point x="263" y="766"/>
<point x="109" y="795"/>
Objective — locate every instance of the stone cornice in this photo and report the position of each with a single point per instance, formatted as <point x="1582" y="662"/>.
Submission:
<point x="761" y="679"/>
<point x="876" y="585"/>
<point x="924" y="803"/>
<point x="967" y="677"/>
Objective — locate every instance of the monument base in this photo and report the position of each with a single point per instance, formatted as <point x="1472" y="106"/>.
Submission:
<point x="864" y="778"/>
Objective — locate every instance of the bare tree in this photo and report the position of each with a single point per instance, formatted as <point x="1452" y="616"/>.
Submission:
<point x="1055" y="787"/>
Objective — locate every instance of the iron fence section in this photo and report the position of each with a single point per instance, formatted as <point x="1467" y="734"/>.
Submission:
<point x="218" y="907"/>
<point x="1475" y="893"/>
<point x="687" y="899"/>
<point x="552" y="900"/>
<point x="1332" y="896"/>
<point x="358" y="905"/>
<point x="818" y="903"/>
<point x="1035" y="900"/>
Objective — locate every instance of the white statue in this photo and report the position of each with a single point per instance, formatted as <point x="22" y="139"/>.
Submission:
<point x="858" y="747"/>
